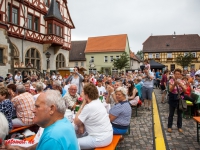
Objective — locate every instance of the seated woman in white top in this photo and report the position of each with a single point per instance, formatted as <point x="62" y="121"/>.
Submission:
<point x="92" y="117"/>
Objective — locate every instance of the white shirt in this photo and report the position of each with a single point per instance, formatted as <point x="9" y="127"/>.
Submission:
<point x="101" y="90"/>
<point x="97" y="123"/>
<point x="18" y="78"/>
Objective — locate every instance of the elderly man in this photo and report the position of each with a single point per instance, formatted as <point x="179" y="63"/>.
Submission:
<point x="23" y="104"/>
<point x="58" y="133"/>
<point x="71" y="96"/>
<point x="28" y="89"/>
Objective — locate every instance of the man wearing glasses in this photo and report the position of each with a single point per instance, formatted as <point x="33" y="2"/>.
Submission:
<point x="71" y="97"/>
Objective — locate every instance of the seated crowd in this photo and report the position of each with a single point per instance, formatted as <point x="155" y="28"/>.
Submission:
<point x="44" y="102"/>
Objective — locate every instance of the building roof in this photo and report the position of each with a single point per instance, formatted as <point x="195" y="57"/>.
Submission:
<point x="77" y="51"/>
<point x="134" y="57"/>
<point x="111" y="43"/>
<point x="170" y="43"/>
<point x="54" y="11"/>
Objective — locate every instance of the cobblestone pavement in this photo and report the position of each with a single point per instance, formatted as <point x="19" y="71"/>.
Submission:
<point x="141" y="132"/>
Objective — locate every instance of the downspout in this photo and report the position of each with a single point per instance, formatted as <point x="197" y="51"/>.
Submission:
<point x="24" y="35"/>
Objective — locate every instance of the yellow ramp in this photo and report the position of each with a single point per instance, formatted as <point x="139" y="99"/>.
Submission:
<point x="158" y="133"/>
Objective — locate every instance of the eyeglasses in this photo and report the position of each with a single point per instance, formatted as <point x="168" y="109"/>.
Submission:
<point x="72" y="89"/>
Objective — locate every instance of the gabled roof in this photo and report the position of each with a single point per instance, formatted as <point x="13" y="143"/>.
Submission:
<point x="77" y="51"/>
<point x="170" y="43"/>
<point x="134" y="57"/>
<point x="54" y="11"/>
<point x="111" y="43"/>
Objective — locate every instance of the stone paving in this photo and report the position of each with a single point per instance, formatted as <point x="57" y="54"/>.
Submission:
<point x="141" y="134"/>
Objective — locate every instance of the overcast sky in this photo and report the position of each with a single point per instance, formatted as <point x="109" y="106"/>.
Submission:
<point x="139" y="19"/>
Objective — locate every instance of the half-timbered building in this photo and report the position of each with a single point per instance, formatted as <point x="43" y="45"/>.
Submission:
<point x="31" y="28"/>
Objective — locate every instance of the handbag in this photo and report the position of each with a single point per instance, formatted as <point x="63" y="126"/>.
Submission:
<point x="181" y="102"/>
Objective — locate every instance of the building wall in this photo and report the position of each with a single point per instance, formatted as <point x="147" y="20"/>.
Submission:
<point x="99" y="60"/>
<point x="4" y="44"/>
<point x="168" y="61"/>
<point x="73" y="63"/>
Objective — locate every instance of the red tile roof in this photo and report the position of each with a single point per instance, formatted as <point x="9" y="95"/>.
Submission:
<point x="170" y="43"/>
<point x="111" y="43"/>
<point x="133" y="56"/>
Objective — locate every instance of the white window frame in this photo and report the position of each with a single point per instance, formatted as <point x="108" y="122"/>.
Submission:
<point x="92" y="59"/>
<point x="105" y="58"/>
<point x="194" y="54"/>
<point x="111" y="58"/>
<point x="82" y="63"/>
<point x="169" y="55"/>
<point x="76" y="63"/>
<point x="117" y="57"/>
<point x="150" y="55"/>
<point x="157" y="55"/>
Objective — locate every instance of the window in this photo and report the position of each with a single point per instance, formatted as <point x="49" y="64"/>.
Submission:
<point x="60" y="61"/>
<point x="92" y="71"/>
<point x="82" y="63"/>
<point x="150" y="55"/>
<point x="157" y="55"/>
<point x="50" y="28"/>
<point x="58" y="30"/>
<point x="36" y="24"/>
<point x="186" y="53"/>
<point x="13" y="14"/>
<point x="172" y="67"/>
<point x="47" y="2"/>
<point x="76" y="64"/>
<point x="169" y="55"/>
<point x="111" y="58"/>
<point x="194" y="54"/>
<point x="1" y="55"/>
<point x="192" y="66"/>
<point x="58" y="4"/>
<point x="105" y="58"/>
<point x="33" y="56"/>
<point x="92" y="59"/>
<point x="117" y="57"/>
<point x="30" y="21"/>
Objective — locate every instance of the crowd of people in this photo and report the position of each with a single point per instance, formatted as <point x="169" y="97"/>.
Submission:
<point x="26" y="100"/>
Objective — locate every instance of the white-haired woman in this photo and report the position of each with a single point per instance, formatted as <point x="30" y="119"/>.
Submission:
<point x="4" y="127"/>
<point x="120" y="113"/>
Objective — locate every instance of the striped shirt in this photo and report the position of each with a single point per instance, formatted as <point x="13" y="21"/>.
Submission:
<point x="24" y="105"/>
<point x="123" y="112"/>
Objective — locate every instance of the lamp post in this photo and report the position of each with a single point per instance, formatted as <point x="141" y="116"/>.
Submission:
<point x="48" y="61"/>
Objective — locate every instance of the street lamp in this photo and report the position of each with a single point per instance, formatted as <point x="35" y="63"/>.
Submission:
<point x="48" y="61"/>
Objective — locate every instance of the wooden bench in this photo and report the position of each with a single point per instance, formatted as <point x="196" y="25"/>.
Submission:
<point x="20" y="129"/>
<point x="197" y="119"/>
<point x="112" y="145"/>
<point x="30" y="138"/>
<point x="189" y="105"/>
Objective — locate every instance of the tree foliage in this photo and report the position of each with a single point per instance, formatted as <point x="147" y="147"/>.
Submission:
<point x="184" y="60"/>
<point x="122" y="62"/>
<point x="140" y="54"/>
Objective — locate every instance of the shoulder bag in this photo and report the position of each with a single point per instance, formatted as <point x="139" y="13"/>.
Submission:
<point x="182" y="103"/>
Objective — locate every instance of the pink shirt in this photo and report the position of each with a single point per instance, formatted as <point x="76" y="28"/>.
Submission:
<point x="175" y="91"/>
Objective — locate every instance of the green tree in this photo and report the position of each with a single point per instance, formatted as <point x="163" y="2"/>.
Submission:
<point x="140" y="54"/>
<point x="121" y="62"/>
<point x="184" y="60"/>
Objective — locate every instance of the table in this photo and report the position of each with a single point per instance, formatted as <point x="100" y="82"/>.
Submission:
<point x="197" y="119"/>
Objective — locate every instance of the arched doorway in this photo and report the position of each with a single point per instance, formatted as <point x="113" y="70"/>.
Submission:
<point x="60" y="61"/>
<point x="16" y="56"/>
<point x="33" y="56"/>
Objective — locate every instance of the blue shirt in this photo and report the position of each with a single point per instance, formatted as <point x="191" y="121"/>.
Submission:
<point x="59" y="136"/>
<point x="63" y="92"/>
<point x="138" y="87"/>
<point x="6" y="107"/>
<point x="122" y="111"/>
